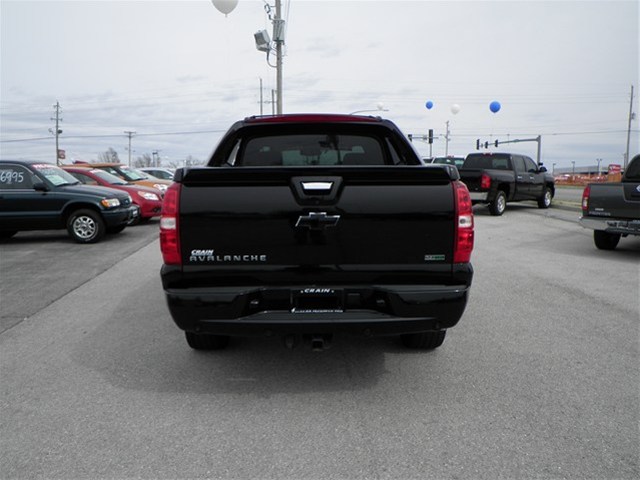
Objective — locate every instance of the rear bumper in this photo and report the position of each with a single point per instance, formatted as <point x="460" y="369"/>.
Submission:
<point x="610" y="225"/>
<point x="360" y="310"/>
<point x="479" y="197"/>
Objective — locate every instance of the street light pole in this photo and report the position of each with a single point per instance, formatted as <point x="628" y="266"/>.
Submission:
<point x="379" y="109"/>
<point x="130" y="133"/>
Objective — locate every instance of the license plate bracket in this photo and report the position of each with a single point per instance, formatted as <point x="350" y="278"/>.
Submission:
<point x="317" y="300"/>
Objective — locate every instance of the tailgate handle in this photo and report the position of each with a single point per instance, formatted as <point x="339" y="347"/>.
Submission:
<point x="314" y="190"/>
<point x="316" y="186"/>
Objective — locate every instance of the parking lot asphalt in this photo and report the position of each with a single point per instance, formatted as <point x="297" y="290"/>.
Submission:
<point x="39" y="267"/>
<point x="539" y="379"/>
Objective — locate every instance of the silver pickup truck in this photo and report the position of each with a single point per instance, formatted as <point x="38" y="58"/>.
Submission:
<point x="612" y="210"/>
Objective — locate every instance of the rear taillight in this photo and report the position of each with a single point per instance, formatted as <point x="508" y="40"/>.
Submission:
<point x="463" y="244"/>
<point x="485" y="182"/>
<point x="585" y="199"/>
<point x="169" y="226"/>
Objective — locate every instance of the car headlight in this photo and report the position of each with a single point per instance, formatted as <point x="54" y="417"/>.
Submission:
<point x="110" y="202"/>
<point x="160" y="187"/>
<point x="149" y="196"/>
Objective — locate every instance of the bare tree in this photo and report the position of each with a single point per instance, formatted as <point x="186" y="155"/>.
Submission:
<point x="143" y="161"/>
<point x="110" y="156"/>
<point x="192" y="162"/>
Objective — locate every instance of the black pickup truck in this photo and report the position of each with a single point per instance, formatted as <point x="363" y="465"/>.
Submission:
<point x="307" y="225"/>
<point x="497" y="178"/>
<point x="612" y="209"/>
<point x="35" y="195"/>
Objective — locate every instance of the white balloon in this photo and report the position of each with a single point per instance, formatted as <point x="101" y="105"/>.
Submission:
<point x="455" y="108"/>
<point x="225" y="6"/>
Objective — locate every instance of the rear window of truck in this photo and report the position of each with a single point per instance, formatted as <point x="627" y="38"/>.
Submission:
<point x="314" y="149"/>
<point x="492" y="162"/>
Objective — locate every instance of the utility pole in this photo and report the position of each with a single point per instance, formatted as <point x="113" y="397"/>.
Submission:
<point x="446" y="143"/>
<point x="261" y="111"/>
<point x="130" y="134"/>
<point x="57" y="131"/>
<point x="263" y="42"/>
<point x="631" y="116"/>
<point x="273" y="102"/>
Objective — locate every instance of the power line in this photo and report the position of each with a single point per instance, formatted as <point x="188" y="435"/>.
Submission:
<point x="69" y="137"/>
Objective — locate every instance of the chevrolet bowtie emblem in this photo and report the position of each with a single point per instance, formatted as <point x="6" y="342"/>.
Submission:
<point x="317" y="220"/>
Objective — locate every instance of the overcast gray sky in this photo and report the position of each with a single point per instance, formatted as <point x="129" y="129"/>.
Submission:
<point x="179" y="73"/>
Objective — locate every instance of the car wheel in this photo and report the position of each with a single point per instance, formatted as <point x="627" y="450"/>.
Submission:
<point x="86" y="226"/>
<point x="605" y="240"/>
<point x="203" y="341"/>
<point x="499" y="204"/>
<point x="545" y="200"/>
<point x="8" y="234"/>
<point x="423" y="340"/>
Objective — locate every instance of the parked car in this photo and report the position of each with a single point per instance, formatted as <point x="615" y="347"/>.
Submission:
<point x="41" y="196"/>
<point x="449" y="160"/>
<point x="497" y="178"/>
<point x="129" y="174"/>
<point x="149" y="200"/>
<point x="612" y="209"/>
<point x="162" y="173"/>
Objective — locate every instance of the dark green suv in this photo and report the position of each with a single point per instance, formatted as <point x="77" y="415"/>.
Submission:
<point x="35" y="195"/>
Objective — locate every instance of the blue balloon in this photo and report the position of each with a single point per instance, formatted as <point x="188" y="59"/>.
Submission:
<point x="429" y="105"/>
<point x="494" y="106"/>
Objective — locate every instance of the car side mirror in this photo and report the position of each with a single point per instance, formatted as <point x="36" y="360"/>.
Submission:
<point x="40" y="187"/>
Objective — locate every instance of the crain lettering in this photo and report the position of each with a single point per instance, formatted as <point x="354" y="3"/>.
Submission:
<point x="198" y="255"/>
<point x="317" y="290"/>
<point x="201" y="256"/>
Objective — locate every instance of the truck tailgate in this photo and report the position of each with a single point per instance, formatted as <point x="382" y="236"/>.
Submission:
<point x="615" y="200"/>
<point x="347" y="218"/>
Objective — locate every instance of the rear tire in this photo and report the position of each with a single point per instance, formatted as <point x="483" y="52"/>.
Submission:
<point x="203" y="341"/>
<point x="545" y="200"/>
<point x="605" y="240"/>
<point x="423" y="340"/>
<point x="86" y="226"/>
<point x="499" y="204"/>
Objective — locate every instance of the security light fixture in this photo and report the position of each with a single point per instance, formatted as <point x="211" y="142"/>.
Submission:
<point x="262" y="40"/>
